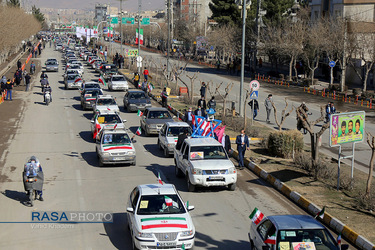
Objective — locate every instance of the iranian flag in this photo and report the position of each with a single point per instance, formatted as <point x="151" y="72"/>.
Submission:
<point x="159" y="179"/>
<point x="77" y="79"/>
<point x="136" y="36"/>
<point x="168" y="201"/>
<point x="321" y="213"/>
<point x="256" y="216"/>
<point x="139" y="113"/>
<point x="96" y="130"/>
<point x="150" y="87"/>
<point x="339" y="239"/>
<point x="101" y="80"/>
<point x="163" y="222"/>
<point x="183" y="246"/>
<point x="139" y="131"/>
<point x="271" y="239"/>
<point x="92" y="61"/>
<point x="110" y="32"/>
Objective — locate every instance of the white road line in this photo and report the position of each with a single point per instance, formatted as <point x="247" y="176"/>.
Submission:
<point x="71" y="134"/>
<point x="3" y="156"/>
<point x="78" y="175"/>
<point x="82" y="203"/>
<point x="69" y="123"/>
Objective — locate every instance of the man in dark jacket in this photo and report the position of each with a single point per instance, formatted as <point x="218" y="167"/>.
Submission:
<point x="181" y="139"/>
<point x="19" y="64"/>
<point x="202" y="103"/>
<point x="200" y="112"/>
<point x="225" y="141"/>
<point x="18" y="76"/>
<point x="9" y="88"/>
<point x="27" y="81"/>
<point x="203" y="89"/>
<point x="242" y="142"/>
<point x="255" y="107"/>
<point x="212" y="103"/>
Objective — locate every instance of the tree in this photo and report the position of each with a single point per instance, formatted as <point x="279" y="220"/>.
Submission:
<point x="283" y="114"/>
<point x="225" y="12"/>
<point x="277" y="10"/>
<point x="14" y="3"/>
<point x="371" y="143"/>
<point x="37" y="14"/>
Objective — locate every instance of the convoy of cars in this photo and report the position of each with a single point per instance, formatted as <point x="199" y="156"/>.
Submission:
<point x="157" y="217"/>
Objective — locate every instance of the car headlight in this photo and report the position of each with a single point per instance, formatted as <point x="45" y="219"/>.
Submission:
<point x="106" y="154"/>
<point x="131" y="153"/>
<point x="187" y="233"/>
<point x="169" y="145"/>
<point x="142" y="235"/>
<point x="197" y="171"/>
<point x="232" y="170"/>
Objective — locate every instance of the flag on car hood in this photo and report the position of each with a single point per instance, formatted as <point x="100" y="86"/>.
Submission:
<point x="256" y="216"/>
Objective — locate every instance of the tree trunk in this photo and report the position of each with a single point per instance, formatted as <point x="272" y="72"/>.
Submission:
<point x="331" y="81"/>
<point x="295" y="69"/>
<point x="224" y="104"/>
<point x="368" y="186"/>
<point x="313" y="153"/>
<point x="191" y="92"/>
<point x="343" y="75"/>
<point x="291" y="68"/>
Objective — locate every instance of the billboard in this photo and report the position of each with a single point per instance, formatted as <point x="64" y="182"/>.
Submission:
<point x="346" y="128"/>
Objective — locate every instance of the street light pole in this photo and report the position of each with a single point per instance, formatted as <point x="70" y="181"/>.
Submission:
<point x="122" y="52"/>
<point x="139" y="34"/>
<point x="242" y="55"/>
<point x="169" y="32"/>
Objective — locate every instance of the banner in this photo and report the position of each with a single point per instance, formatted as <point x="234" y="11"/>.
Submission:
<point x="136" y="36"/>
<point x="346" y="128"/>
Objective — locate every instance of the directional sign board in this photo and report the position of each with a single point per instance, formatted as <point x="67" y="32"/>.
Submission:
<point x="128" y="20"/>
<point x="254" y="85"/>
<point x="254" y="94"/>
<point x="332" y="64"/>
<point x="145" y="21"/>
<point x="139" y="59"/>
<point x="114" y="20"/>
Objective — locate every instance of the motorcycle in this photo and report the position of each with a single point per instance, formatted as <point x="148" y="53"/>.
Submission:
<point x="33" y="179"/>
<point x="43" y="83"/>
<point x="47" y="97"/>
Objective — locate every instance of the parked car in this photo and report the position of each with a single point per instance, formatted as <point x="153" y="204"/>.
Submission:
<point x="153" y="120"/>
<point x="114" y="146"/>
<point x="204" y="162"/>
<point x="136" y="100"/>
<point x="290" y="231"/>
<point x="159" y="219"/>
<point x="117" y="82"/>
<point x="88" y="97"/>
<point x="168" y="136"/>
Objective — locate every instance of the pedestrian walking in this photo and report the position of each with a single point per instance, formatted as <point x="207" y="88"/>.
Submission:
<point x="268" y="104"/>
<point x="27" y="81"/>
<point x="18" y="77"/>
<point x="260" y="62"/>
<point x="32" y="67"/>
<point x="189" y="116"/>
<point x="19" y="64"/>
<point x="9" y="89"/>
<point x="164" y="97"/>
<point x="254" y="107"/>
<point x="3" y="84"/>
<point x="203" y="89"/>
<point x="145" y="73"/>
<point x="105" y="55"/>
<point x="121" y="61"/>
<point x="242" y="142"/>
<point x="212" y="103"/>
<point x="330" y="109"/>
<point x="24" y="46"/>
<point x="202" y="103"/>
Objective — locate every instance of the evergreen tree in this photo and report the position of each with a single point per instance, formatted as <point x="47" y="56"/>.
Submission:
<point x="37" y="14"/>
<point x="225" y="12"/>
<point x="14" y="3"/>
<point x="277" y="10"/>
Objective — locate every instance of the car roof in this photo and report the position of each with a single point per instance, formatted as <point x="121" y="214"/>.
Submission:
<point x="135" y="91"/>
<point x="285" y="222"/>
<point x="111" y="130"/>
<point x="105" y="97"/>
<point x="117" y="75"/>
<point x="156" y="109"/>
<point x="203" y="141"/>
<point x="106" y="112"/>
<point x="155" y="189"/>
<point x="177" y="124"/>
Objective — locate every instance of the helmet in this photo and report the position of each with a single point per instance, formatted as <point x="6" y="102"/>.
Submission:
<point x="33" y="159"/>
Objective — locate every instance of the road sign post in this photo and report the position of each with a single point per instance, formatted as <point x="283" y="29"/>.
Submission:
<point x="254" y="87"/>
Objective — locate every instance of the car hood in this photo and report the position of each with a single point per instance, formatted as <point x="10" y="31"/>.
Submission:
<point x="172" y="140"/>
<point x="212" y="164"/>
<point x="158" y="121"/>
<point x="120" y="82"/>
<point x="110" y="107"/>
<point x="118" y="148"/>
<point x="164" y="223"/>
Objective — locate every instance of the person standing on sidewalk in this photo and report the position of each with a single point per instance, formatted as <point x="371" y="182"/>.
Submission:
<point x="212" y="103"/>
<point x="268" y="105"/>
<point x="164" y="97"/>
<point x="242" y="142"/>
<point x="19" y="64"/>
<point x="203" y="89"/>
<point x="9" y="88"/>
<point x="145" y="74"/>
<point x="255" y="107"/>
<point x="27" y="81"/>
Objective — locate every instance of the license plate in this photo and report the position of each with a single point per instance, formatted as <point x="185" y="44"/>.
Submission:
<point x="119" y="158"/>
<point x="167" y="244"/>
<point x="215" y="177"/>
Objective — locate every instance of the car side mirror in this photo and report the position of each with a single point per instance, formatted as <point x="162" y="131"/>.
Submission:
<point x="266" y="248"/>
<point x="344" y="246"/>
<point x="130" y="210"/>
<point x="174" y="117"/>
<point x="190" y="208"/>
<point x="92" y="121"/>
<point x="124" y="121"/>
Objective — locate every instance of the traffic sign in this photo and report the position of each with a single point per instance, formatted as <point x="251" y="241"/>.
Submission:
<point x="145" y="21"/>
<point x="254" y="84"/>
<point x="332" y="64"/>
<point x="128" y="20"/>
<point x="139" y="59"/>
<point x="114" y="20"/>
<point x="254" y="94"/>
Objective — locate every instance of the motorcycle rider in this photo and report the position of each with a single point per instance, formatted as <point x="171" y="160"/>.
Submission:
<point x="32" y="167"/>
<point x="47" y="89"/>
<point x="43" y="75"/>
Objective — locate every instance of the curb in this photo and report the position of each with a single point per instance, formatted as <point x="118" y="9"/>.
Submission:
<point x="328" y="220"/>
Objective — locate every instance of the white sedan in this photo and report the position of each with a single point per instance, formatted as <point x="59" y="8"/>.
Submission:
<point x="118" y="82"/>
<point x="158" y="218"/>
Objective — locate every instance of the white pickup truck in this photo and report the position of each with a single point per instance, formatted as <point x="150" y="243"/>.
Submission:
<point x="204" y="162"/>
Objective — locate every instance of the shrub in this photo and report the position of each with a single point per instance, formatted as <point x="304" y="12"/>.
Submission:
<point x="285" y="143"/>
<point x="367" y="203"/>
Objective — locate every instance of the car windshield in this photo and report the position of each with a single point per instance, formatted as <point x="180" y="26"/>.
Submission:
<point x="118" y="78"/>
<point x="72" y="77"/>
<point x="107" y="101"/>
<point x="207" y="153"/>
<point x="176" y="131"/>
<point x="93" y="92"/>
<point x="114" y="139"/>
<point x="51" y="63"/>
<point x="74" y="66"/>
<point x="160" y="204"/>
<point x="109" y="119"/>
<point x="139" y="95"/>
<point x="319" y="238"/>
<point x="159" y="115"/>
<point x="91" y="85"/>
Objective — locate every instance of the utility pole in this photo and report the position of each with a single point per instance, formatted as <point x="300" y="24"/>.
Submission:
<point x="169" y="32"/>
<point x="242" y="55"/>
<point x="122" y="52"/>
<point x="258" y="32"/>
<point x="139" y="33"/>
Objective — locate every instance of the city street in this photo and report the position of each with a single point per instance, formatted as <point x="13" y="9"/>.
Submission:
<point x="294" y="96"/>
<point x="60" y="137"/>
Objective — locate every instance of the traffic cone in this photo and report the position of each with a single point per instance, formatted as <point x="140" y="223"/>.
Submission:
<point x="361" y="103"/>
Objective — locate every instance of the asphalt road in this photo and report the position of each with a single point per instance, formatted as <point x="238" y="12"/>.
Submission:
<point x="295" y="98"/>
<point x="59" y="135"/>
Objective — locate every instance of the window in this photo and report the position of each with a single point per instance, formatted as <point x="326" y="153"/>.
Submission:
<point x="159" y="115"/>
<point x="320" y="238"/>
<point x="160" y="204"/>
<point x="134" y="197"/>
<point x="210" y="152"/>
<point x="176" y="131"/>
<point x="263" y="228"/>
<point x="116" y="139"/>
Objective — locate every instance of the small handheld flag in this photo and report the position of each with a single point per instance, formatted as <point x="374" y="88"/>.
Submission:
<point x="271" y="239"/>
<point x="139" y="113"/>
<point x="256" y="216"/>
<point x="159" y="179"/>
<point x="139" y="131"/>
<point x="339" y="239"/>
<point x="183" y="246"/>
<point x="168" y="201"/>
<point x="321" y="213"/>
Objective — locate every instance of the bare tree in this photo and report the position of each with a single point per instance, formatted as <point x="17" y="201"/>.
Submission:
<point x="177" y="70"/>
<point x="224" y="96"/>
<point x="314" y="136"/>
<point x="248" y="94"/>
<point x="371" y="143"/>
<point x="192" y="81"/>
<point x="284" y="115"/>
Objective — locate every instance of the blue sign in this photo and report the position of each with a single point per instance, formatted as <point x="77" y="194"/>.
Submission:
<point x="332" y="64"/>
<point x="254" y="94"/>
<point x="212" y="48"/>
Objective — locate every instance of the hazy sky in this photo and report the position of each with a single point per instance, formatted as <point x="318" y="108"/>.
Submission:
<point x="130" y="5"/>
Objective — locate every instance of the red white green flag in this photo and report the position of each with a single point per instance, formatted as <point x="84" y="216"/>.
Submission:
<point x="101" y="80"/>
<point x="168" y="201"/>
<point x="139" y="131"/>
<point x="271" y="239"/>
<point x="77" y="79"/>
<point x="256" y="216"/>
<point x="321" y="213"/>
<point x="183" y="246"/>
<point x="159" y="179"/>
<point x="339" y="239"/>
<point x="139" y="113"/>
